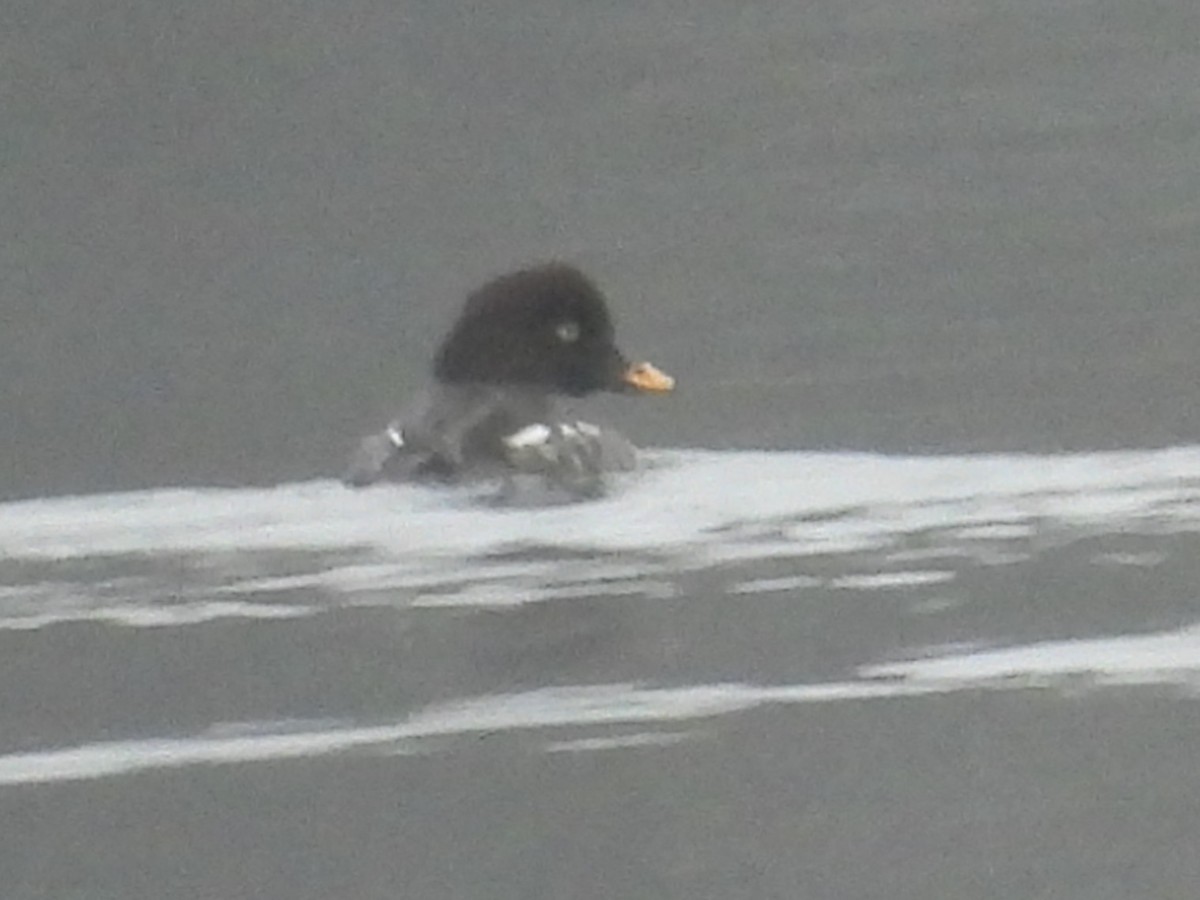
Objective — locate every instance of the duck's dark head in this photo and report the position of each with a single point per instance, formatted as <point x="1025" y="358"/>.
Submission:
<point x="544" y="327"/>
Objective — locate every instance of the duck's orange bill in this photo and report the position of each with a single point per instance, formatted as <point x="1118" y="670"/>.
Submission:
<point x="644" y="377"/>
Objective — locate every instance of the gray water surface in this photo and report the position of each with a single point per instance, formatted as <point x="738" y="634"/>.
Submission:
<point x="737" y="672"/>
<point x="233" y="231"/>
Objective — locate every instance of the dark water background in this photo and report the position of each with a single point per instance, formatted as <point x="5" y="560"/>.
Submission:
<point x="231" y="234"/>
<point x="232" y="230"/>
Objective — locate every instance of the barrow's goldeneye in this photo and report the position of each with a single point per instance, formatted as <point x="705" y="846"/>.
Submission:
<point x="521" y="341"/>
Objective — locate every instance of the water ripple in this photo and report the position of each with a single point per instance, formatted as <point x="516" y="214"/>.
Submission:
<point x="200" y="554"/>
<point x="1168" y="658"/>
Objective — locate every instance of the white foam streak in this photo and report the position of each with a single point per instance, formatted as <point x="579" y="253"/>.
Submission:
<point x="681" y="500"/>
<point x="1169" y="658"/>
<point x="687" y="511"/>
<point x="152" y="615"/>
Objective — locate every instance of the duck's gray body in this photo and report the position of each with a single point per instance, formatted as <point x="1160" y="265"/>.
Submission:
<point x="522" y="342"/>
<point x="468" y="432"/>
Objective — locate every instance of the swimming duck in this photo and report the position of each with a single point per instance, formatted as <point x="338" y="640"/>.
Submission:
<point x="521" y="343"/>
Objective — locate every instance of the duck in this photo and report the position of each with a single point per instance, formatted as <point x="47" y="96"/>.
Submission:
<point x="523" y="343"/>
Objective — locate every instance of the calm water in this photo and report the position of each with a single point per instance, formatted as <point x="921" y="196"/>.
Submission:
<point x="907" y="607"/>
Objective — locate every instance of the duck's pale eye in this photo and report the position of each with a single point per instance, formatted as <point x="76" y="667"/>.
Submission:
<point x="568" y="332"/>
